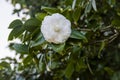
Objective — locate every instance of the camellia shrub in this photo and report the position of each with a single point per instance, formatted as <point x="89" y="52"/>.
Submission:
<point x="68" y="40"/>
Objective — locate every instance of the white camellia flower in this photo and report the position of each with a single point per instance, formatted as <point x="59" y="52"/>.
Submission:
<point x="56" y="28"/>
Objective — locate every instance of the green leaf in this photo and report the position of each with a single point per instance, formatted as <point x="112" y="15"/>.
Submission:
<point x="68" y="2"/>
<point x="51" y="10"/>
<point x="76" y="14"/>
<point x="21" y="48"/>
<point x="78" y="35"/>
<point x="27" y="60"/>
<point x="101" y="48"/>
<point x="116" y="22"/>
<point x="40" y="16"/>
<point x="13" y="2"/>
<point x="39" y="41"/>
<point x="88" y="7"/>
<point x="111" y="2"/>
<point x="8" y="58"/>
<point x="69" y="70"/>
<point x="94" y="5"/>
<point x="75" y="52"/>
<point x="16" y="32"/>
<point x="58" y="47"/>
<point x="73" y="4"/>
<point x="109" y="70"/>
<point x="29" y="35"/>
<point x="116" y="76"/>
<point x="80" y="65"/>
<point x="42" y="66"/>
<point x="15" y="23"/>
<point x="53" y="65"/>
<point x="5" y="65"/>
<point x="32" y="24"/>
<point x="76" y="49"/>
<point x="68" y="14"/>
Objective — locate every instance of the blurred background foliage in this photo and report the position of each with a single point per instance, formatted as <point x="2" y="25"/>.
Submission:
<point x="91" y="53"/>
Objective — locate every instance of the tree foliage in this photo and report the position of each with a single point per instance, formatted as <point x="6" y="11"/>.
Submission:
<point x="91" y="52"/>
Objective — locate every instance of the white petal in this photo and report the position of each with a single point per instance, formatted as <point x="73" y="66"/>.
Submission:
<point x="56" y="28"/>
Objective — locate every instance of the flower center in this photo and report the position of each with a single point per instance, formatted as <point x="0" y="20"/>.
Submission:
<point x="56" y="28"/>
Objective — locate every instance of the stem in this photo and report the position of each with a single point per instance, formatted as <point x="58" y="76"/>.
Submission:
<point x="89" y="66"/>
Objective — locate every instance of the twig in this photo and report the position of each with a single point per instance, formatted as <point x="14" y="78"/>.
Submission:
<point x="89" y="66"/>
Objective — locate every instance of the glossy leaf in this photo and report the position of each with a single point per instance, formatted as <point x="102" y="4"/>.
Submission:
<point x="15" y="23"/>
<point x="78" y="35"/>
<point x="73" y="4"/>
<point x="58" y="47"/>
<point x="16" y="32"/>
<point x="94" y="5"/>
<point x="32" y="24"/>
<point x="21" y="48"/>
<point x="40" y="40"/>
